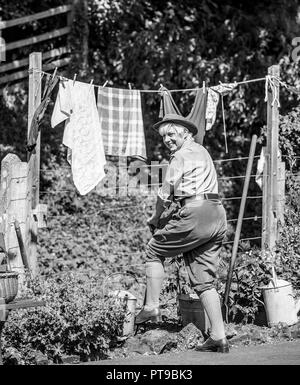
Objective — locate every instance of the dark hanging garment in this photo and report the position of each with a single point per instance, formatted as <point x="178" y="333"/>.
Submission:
<point x="167" y="104"/>
<point x="40" y="111"/>
<point x="197" y="114"/>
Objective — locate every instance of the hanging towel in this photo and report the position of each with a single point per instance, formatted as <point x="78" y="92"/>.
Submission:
<point x="197" y="114"/>
<point x="121" y="120"/>
<point x="76" y="104"/>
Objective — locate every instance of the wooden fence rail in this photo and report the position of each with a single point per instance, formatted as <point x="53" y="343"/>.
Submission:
<point x="11" y="67"/>
<point x="36" y="16"/>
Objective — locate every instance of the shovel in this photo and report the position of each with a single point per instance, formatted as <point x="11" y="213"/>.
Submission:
<point x="239" y="224"/>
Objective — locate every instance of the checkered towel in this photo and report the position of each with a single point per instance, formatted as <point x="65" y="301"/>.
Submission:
<point x="121" y="120"/>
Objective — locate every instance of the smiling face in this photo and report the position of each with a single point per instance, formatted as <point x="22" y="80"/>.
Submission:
<point x="173" y="135"/>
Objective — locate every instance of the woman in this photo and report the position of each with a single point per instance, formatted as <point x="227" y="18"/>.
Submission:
<point x="197" y="229"/>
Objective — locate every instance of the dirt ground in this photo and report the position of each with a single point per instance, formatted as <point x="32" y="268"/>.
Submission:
<point x="277" y="353"/>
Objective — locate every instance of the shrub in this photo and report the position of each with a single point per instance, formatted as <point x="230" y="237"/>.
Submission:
<point x="76" y="319"/>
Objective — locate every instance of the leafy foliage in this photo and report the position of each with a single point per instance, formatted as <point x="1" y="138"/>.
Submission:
<point x="76" y="319"/>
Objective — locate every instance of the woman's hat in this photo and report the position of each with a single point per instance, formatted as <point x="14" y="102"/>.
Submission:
<point x="177" y="119"/>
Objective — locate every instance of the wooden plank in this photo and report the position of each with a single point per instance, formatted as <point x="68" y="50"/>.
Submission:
<point x="57" y="63"/>
<point x="22" y="304"/>
<point x="15" y="175"/>
<point x="35" y="16"/>
<point x="40" y="215"/>
<point x="5" y="191"/>
<point x="34" y="99"/>
<point x="38" y="39"/>
<point x="281" y="192"/>
<point x="264" y="202"/>
<point x="23" y="74"/>
<point x="272" y="151"/>
<point x="25" y="62"/>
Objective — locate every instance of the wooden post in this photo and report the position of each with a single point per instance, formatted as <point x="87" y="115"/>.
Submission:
<point x="34" y="99"/>
<point x="271" y="191"/>
<point x="281" y="192"/>
<point x="264" y="201"/>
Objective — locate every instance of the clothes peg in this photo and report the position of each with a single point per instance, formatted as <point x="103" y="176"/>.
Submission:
<point x="203" y="86"/>
<point x="105" y="83"/>
<point x="54" y="73"/>
<point x="129" y="86"/>
<point x="74" y="79"/>
<point x="91" y="83"/>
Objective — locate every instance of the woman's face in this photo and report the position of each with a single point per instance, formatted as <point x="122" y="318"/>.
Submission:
<point x="173" y="135"/>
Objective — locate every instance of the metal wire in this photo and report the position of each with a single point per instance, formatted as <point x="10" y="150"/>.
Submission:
<point x="155" y="165"/>
<point x="241" y="240"/>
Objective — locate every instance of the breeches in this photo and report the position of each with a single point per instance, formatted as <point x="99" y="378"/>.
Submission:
<point x="196" y="230"/>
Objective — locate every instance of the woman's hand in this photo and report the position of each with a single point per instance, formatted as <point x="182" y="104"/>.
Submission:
<point x="152" y="222"/>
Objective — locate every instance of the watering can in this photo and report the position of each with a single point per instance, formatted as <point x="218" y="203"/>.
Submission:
<point x="128" y="325"/>
<point x="279" y="302"/>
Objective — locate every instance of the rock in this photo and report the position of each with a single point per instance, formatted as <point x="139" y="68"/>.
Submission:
<point x="159" y="341"/>
<point x="240" y="339"/>
<point x="134" y="345"/>
<point x="258" y="336"/>
<point x="12" y="356"/>
<point x="230" y="331"/>
<point x="295" y="330"/>
<point x="189" y="337"/>
<point x="73" y="359"/>
<point x="286" y="332"/>
<point x="40" y="359"/>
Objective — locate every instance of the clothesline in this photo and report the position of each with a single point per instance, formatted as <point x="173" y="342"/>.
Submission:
<point x="265" y="78"/>
<point x="159" y="90"/>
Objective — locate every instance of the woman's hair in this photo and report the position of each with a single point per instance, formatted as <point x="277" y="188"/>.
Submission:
<point x="164" y="128"/>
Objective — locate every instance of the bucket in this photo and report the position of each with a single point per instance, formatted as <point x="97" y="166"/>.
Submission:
<point x="279" y="303"/>
<point x="191" y="311"/>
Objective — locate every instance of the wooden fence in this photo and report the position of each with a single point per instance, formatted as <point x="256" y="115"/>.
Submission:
<point x="14" y="66"/>
<point x="19" y="191"/>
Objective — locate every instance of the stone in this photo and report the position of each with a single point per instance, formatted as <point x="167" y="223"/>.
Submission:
<point x="70" y="360"/>
<point x="40" y="359"/>
<point x="12" y="356"/>
<point x="159" y="340"/>
<point x="189" y="337"/>
<point x="230" y="331"/>
<point x="134" y="345"/>
<point x="295" y="330"/>
<point x="256" y="336"/>
<point x="240" y="339"/>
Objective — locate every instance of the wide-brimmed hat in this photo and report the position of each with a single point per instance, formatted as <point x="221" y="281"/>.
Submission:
<point x="177" y="119"/>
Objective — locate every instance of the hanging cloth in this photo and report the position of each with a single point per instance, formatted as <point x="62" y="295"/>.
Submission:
<point x="197" y="114"/>
<point x="260" y="168"/>
<point x="76" y="104"/>
<point x="40" y="111"/>
<point x="211" y="108"/>
<point x="121" y="120"/>
<point x="213" y="98"/>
